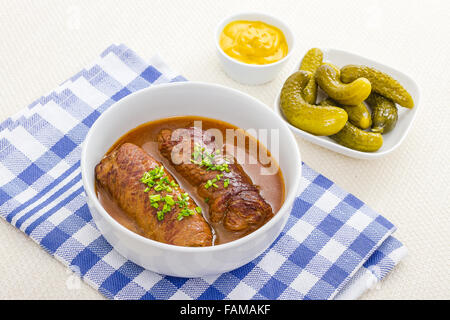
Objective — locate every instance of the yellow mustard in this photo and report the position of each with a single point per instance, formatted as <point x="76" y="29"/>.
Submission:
<point x="253" y="42"/>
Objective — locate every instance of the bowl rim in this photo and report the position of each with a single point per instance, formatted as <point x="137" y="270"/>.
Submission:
<point x="233" y="17"/>
<point x="333" y="146"/>
<point x="89" y="187"/>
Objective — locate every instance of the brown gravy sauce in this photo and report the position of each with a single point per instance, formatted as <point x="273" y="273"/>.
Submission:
<point x="146" y="136"/>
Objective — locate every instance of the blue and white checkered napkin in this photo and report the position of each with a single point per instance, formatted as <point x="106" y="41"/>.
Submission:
<point x="333" y="245"/>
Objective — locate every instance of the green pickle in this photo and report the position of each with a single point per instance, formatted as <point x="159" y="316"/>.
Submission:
<point x="335" y="68"/>
<point x="318" y="120"/>
<point x="310" y="62"/>
<point x="358" y="115"/>
<point x="354" y="93"/>
<point x="381" y="83"/>
<point x="354" y="138"/>
<point x="384" y="113"/>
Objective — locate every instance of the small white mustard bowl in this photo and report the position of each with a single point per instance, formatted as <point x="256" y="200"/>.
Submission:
<point x="253" y="74"/>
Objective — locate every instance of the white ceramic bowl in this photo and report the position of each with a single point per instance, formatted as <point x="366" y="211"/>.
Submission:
<point x="391" y="140"/>
<point x="253" y="74"/>
<point x="184" y="99"/>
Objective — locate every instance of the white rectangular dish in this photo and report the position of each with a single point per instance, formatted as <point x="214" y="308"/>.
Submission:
<point x="391" y="140"/>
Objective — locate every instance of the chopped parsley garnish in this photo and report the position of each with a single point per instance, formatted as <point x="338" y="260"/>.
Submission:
<point x="203" y="158"/>
<point x="158" y="180"/>
<point x="185" y="212"/>
<point x="169" y="200"/>
<point x="155" y="198"/>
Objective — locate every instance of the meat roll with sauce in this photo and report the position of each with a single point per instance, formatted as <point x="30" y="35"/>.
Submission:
<point x="120" y="174"/>
<point x="234" y="201"/>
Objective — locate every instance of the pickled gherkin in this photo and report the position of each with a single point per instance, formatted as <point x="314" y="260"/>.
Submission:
<point x="358" y="115"/>
<point x="322" y="121"/>
<point x="354" y="93"/>
<point x="358" y="107"/>
<point x="310" y="62"/>
<point x="384" y="113"/>
<point x="335" y="68"/>
<point x="382" y="83"/>
<point x="354" y="138"/>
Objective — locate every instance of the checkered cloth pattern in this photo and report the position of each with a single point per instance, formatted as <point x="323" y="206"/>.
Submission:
<point x="330" y="239"/>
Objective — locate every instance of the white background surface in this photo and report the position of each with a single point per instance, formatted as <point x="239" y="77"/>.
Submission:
<point x="45" y="42"/>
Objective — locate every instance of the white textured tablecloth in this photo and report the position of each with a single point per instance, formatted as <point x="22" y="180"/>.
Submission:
<point x="45" y="42"/>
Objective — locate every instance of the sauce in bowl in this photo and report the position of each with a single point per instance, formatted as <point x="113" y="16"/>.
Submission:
<point x="253" y="42"/>
<point x="257" y="165"/>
